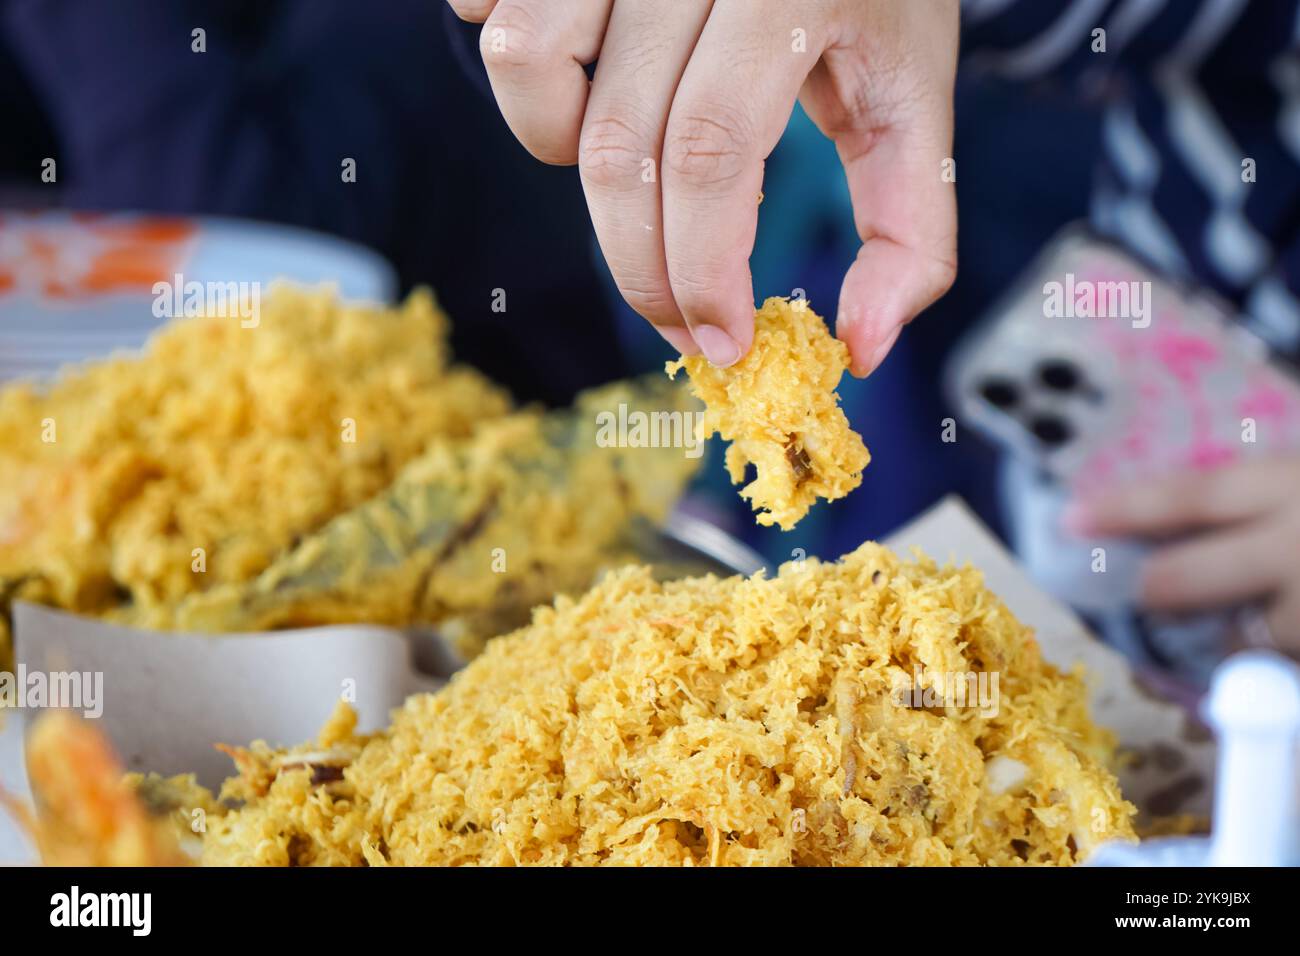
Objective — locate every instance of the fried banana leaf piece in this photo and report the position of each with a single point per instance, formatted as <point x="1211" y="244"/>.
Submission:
<point x="473" y="533"/>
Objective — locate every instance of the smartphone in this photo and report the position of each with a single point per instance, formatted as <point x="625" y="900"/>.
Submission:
<point x="1096" y="369"/>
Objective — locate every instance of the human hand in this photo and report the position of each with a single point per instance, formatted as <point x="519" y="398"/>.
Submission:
<point x="1239" y="538"/>
<point x="688" y="100"/>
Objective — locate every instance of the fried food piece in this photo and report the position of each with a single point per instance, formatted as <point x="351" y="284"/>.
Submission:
<point x="709" y="722"/>
<point x="87" y="813"/>
<point x="141" y="480"/>
<point x="778" y="408"/>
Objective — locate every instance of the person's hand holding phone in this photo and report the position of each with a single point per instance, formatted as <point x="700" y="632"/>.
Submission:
<point x="1236" y="534"/>
<point x="688" y="100"/>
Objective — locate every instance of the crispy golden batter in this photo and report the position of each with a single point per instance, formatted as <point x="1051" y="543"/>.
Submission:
<point x="709" y="722"/>
<point x="237" y="441"/>
<point x="778" y="408"/>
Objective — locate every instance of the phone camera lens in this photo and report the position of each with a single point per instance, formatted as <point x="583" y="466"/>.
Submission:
<point x="1059" y="375"/>
<point x="1050" y="430"/>
<point x="999" y="392"/>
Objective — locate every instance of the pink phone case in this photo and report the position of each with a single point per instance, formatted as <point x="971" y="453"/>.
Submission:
<point x="1098" y="369"/>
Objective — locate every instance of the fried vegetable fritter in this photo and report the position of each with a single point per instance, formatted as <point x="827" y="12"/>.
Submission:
<point x="778" y="408"/>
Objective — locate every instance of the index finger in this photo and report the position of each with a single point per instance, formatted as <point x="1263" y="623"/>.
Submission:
<point x="1187" y="500"/>
<point x="641" y="62"/>
<point x="731" y="107"/>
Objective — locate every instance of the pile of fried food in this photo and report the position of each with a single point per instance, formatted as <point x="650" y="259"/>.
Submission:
<point x="697" y="722"/>
<point x="792" y="720"/>
<point x="329" y="465"/>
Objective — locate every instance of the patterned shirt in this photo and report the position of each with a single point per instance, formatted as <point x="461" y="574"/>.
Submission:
<point x="1200" y="165"/>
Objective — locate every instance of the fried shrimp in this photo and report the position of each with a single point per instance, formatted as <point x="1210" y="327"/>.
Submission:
<point x="87" y="813"/>
<point x="778" y="408"/>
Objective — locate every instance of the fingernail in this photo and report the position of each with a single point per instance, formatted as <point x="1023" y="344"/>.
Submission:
<point x="883" y="348"/>
<point x="718" y="347"/>
<point x="679" y="338"/>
